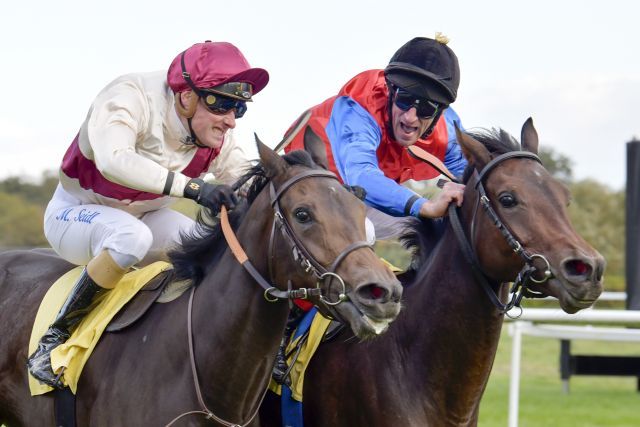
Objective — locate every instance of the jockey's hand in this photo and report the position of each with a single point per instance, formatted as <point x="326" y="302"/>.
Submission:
<point x="437" y="206"/>
<point x="209" y="195"/>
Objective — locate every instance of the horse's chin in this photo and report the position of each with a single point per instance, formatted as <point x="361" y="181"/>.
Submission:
<point x="572" y="297"/>
<point x="364" y="327"/>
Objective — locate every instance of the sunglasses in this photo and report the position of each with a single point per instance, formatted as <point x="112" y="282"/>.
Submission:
<point x="219" y="104"/>
<point x="425" y="109"/>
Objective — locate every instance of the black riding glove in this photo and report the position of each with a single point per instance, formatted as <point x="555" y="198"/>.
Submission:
<point x="209" y="195"/>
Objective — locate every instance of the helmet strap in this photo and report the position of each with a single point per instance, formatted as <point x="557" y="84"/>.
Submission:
<point x="390" y="88"/>
<point x="188" y="113"/>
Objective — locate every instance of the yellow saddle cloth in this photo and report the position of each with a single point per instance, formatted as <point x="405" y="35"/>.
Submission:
<point x="73" y="354"/>
<point x="318" y="327"/>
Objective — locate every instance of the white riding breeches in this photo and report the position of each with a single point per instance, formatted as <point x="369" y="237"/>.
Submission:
<point x="78" y="231"/>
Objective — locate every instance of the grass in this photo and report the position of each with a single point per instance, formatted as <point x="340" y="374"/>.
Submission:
<point x="593" y="401"/>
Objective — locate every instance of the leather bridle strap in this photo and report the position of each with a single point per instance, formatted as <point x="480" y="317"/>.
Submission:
<point x="471" y="258"/>
<point x="299" y="177"/>
<point x="243" y="259"/>
<point x="284" y="225"/>
<point x="513" y="242"/>
<point x="501" y="158"/>
<point x="431" y="160"/>
<point x="205" y="411"/>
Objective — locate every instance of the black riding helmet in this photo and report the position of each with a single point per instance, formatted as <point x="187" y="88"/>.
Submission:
<point x="426" y="68"/>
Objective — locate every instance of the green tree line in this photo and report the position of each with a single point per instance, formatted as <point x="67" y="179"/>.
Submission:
<point x="597" y="213"/>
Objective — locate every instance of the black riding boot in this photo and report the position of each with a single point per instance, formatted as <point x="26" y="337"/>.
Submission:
<point x="77" y="305"/>
<point x="280" y="368"/>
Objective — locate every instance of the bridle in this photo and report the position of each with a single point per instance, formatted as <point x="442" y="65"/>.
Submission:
<point x="272" y="293"/>
<point x="299" y="251"/>
<point x="520" y="287"/>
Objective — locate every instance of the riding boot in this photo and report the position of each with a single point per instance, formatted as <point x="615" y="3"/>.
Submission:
<point x="77" y="305"/>
<point x="280" y="368"/>
<point x="84" y="295"/>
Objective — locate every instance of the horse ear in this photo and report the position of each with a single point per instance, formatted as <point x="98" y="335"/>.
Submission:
<point x="475" y="152"/>
<point x="529" y="137"/>
<point x="315" y="146"/>
<point x="273" y="164"/>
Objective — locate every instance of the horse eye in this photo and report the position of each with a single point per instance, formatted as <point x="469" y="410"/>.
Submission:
<point x="507" y="200"/>
<point x="302" y="215"/>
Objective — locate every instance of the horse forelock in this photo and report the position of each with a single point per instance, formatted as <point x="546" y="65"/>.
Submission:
<point x="497" y="141"/>
<point x="203" y="246"/>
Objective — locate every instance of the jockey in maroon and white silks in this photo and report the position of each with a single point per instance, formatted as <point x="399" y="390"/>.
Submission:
<point x="148" y="139"/>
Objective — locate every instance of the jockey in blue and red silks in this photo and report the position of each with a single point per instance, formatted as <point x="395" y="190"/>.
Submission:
<point x="368" y="126"/>
<point x="378" y="113"/>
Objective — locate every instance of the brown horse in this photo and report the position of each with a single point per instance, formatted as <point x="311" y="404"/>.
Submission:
<point x="143" y="375"/>
<point x="432" y="366"/>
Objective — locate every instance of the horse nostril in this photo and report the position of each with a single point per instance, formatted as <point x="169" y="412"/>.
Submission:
<point x="600" y="264"/>
<point x="576" y="267"/>
<point x="373" y="292"/>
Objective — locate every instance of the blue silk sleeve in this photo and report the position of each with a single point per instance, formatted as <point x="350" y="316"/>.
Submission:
<point x="355" y="137"/>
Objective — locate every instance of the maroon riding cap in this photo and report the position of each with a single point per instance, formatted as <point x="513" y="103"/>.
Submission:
<point x="211" y="64"/>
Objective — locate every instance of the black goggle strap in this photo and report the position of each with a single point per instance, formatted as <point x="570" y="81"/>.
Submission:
<point x="187" y="77"/>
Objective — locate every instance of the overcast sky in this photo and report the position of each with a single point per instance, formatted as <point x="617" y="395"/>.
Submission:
<point x="574" y="66"/>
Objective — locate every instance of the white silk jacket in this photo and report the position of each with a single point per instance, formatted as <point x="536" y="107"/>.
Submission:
<point x="131" y="139"/>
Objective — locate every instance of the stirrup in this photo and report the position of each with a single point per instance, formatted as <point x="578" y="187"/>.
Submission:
<point x="45" y="375"/>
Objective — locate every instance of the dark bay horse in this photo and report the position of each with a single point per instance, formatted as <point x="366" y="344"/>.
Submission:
<point x="144" y="375"/>
<point x="432" y="366"/>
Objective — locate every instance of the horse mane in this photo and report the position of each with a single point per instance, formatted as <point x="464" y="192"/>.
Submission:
<point x="424" y="234"/>
<point x="497" y="141"/>
<point x="202" y="248"/>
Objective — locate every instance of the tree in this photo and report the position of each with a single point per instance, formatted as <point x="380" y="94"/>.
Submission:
<point x="20" y="223"/>
<point x="559" y="165"/>
<point x="37" y="193"/>
<point x="598" y="214"/>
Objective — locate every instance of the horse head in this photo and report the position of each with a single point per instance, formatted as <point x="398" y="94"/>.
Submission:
<point x="518" y="224"/>
<point x="318" y="237"/>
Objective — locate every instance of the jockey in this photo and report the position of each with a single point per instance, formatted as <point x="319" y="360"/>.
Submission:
<point x="148" y="139"/>
<point x="366" y="128"/>
<point x="378" y="113"/>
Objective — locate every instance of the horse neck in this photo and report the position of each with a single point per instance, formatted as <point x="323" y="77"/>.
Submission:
<point x="449" y="329"/>
<point x="236" y="331"/>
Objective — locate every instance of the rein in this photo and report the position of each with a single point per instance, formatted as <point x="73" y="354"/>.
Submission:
<point x="271" y="293"/>
<point x="525" y="276"/>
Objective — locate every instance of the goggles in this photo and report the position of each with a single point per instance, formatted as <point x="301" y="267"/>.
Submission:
<point x="425" y="109"/>
<point x="219" y="104"/>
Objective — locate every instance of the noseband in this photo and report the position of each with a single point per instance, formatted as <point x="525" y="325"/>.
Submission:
<point x="525" y="276"/>
<point x="298" y="250"/>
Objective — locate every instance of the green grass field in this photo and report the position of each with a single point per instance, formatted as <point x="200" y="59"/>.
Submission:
<point x="593" y="401"/>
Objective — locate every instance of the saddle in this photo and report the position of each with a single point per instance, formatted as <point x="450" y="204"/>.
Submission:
<point x="161" y="289"/>
<point x="120" y="308"/>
